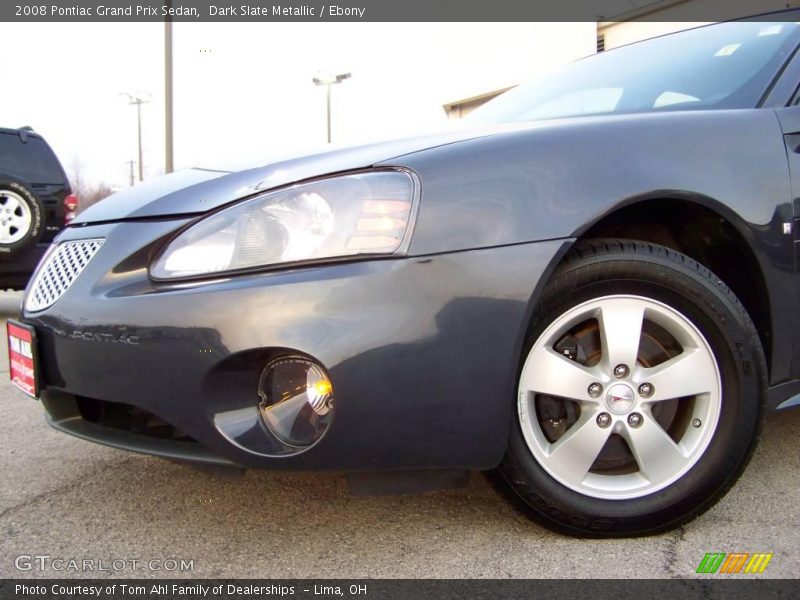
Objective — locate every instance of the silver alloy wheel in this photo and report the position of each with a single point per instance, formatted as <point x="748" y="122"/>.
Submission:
<point x="15" y="217"/>
<point x="626" y="407"/>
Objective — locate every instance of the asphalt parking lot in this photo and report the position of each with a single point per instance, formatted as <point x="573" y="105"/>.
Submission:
<point x="65" y="498"/>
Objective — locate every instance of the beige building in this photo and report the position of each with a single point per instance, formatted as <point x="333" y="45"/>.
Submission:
<point x="648" y="18"/>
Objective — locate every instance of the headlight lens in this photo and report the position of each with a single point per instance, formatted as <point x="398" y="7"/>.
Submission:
<point x="365" y="213"/>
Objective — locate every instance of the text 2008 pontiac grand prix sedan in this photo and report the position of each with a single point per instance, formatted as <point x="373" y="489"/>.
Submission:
<point x="592" y="292"/>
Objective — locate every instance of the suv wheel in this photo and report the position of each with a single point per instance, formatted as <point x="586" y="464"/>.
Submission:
<point x="640" y="394"/>
<point x="21" y="215"/>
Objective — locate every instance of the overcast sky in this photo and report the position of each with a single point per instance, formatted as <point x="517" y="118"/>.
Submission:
<point x="243" y="92"/>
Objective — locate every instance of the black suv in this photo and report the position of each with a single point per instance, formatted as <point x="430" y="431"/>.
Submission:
<point x="35" y="203"/>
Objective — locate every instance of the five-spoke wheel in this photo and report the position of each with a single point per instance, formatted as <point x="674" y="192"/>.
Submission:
<point x="645" y="397"/>
<point x="639" y="397"/>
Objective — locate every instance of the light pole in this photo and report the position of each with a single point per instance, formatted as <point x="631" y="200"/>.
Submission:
<point x="327" y="79"/>
<point x="138" y="100"/>
<point x="168" y="145"/>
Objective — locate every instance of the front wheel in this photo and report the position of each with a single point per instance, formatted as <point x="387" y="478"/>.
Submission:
<point x="640" y="394"/>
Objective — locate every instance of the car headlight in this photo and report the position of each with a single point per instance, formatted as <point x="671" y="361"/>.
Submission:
<point x="351" y="215"/>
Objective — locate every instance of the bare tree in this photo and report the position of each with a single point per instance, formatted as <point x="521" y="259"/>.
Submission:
<point x="92" y="194"/>
<point x="87" y="193"/>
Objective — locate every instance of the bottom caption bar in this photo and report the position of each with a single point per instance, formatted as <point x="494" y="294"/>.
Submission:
<point x="63" y="589"/>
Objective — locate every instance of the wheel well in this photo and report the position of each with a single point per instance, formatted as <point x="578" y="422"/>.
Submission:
<point x="703" y="235"/>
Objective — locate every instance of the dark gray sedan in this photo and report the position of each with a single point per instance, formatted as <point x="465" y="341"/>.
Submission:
<point x="591" y="292"/>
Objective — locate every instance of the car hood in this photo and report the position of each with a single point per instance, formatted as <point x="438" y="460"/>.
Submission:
<point x="195" y="191"/>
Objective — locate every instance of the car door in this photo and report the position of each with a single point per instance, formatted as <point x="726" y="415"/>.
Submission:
<point x="789" y="118"/>
<point x="784" y="98"/>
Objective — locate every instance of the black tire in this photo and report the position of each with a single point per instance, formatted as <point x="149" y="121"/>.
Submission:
<point x="599" y="268"/>
<point x="16" y="190"/>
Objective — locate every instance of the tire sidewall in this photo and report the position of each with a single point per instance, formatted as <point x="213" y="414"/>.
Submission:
<point x="730" y="338"/>
<point x="23" y="190"/>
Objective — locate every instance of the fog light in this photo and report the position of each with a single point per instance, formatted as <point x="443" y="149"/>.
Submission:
<point x="296" y="400"/>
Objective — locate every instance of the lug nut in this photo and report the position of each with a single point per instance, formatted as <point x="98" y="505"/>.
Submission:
<point x="621" y="371"/>
<point x="604" y="420"/>
<point x="696" y="422"/>
<point x="595" y="390"/>
<point x="646" y="390"/>
<point x="634" y="419"/>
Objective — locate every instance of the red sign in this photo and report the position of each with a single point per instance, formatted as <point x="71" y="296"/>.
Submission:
<point x="21" y="358"/>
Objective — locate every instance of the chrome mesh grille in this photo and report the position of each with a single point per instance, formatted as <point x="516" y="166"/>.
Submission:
<point x="59" y="271"/>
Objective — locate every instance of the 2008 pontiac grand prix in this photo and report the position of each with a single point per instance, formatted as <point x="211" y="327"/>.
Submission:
<point x="590" y="292"/>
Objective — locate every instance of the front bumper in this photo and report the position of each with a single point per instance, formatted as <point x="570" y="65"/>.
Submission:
<point x="422" y="352"/>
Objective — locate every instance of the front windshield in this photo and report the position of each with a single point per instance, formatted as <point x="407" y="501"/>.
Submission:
<point x="728" y="65"/>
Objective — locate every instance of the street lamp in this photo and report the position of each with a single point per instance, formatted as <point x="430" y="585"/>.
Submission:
<point x="138" y="100"/>
<point x="169" y="150"/>
<point x="327" y="79"/>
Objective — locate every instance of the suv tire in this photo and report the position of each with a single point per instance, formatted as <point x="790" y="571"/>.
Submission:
<point x="21" y="217"/>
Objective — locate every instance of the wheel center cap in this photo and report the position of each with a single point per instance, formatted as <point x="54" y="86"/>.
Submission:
<point x="619" y="399"/>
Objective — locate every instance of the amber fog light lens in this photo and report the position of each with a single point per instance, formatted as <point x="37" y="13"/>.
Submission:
<point x="296" y="400"/>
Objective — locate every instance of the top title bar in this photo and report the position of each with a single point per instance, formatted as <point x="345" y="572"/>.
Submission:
<point x="387" y="10"/>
